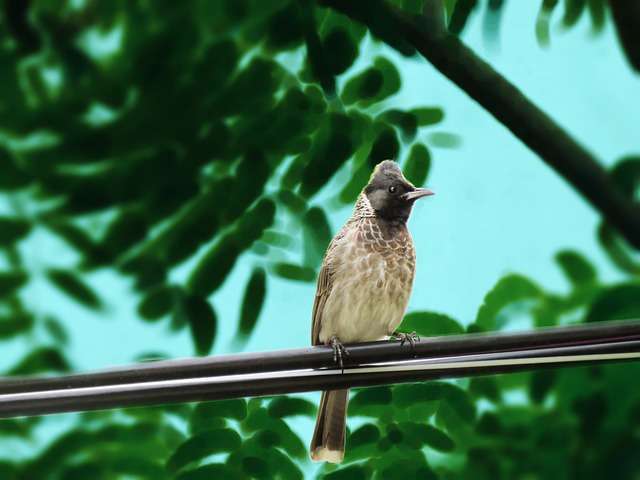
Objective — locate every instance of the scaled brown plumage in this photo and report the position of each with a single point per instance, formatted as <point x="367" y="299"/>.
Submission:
<point x="364" y="286"/>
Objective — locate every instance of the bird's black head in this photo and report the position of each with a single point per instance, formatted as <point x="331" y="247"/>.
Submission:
<point x="390" y="194"/>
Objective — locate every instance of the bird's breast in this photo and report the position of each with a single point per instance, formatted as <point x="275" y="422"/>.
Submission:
<point x="372" y="280"/>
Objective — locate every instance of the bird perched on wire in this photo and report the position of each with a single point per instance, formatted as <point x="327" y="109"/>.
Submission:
<point x="363" y="288"/>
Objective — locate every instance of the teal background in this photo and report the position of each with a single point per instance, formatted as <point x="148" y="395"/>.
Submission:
<point x="498" y="209"/>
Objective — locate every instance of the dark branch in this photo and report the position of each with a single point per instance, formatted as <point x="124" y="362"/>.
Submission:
<point x="505" y="102"/>
<point x="626" y="16"/>
<point x="310" y="369"/>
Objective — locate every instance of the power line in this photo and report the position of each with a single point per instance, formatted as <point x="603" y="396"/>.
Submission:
<point x="309" y="369"/>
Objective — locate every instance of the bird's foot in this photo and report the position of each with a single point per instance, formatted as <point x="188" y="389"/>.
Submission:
<point x="412" y="338"/>
<point x="339" y="351"/>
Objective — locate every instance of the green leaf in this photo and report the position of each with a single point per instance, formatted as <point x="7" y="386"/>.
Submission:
<point x="56" y="331"/>
<point x="317" y="236"/>
<point x="211" y="471"/>
<point x="460" y="16"/>
<point x="333" y="145"/>
<point x="430" y="324"/>
<point x="293" y="272"/>
<point x="576" y="268"/>
<point x="385" y="147"/>
<point x="291" y="178"/>
<point x="256" y="467"/>
<point x="416" y="168"/>
<point x="456" y="398"/>
<point x="406" y="122"/>
<point x="353" y="472"/>
<point x="444" y="140"/>
<point x="509" y="289"/>
<point x="20" y="428"/>
<point x="459" y="400"/>
<point x="125" y="231"/>
<point x="410" y="434"/>
<point x="84" y="470"/>
<point x="343" y="48"/>
<point x="157" y="302"/>
<point x="282" y="407"/>
<point x="12" y="230"/>
<point x="365" y="86"/>
<point x="202" y="445"/>
<point x="281" y="463"/>
<point x="616" y="303"/>
<point x="489" y="424"/>
<point x="78" y="239"/>
<point x="211" y="271"/>
<point x="573" y="10"/>
<point x="428" y="115"/>
<point x="405" y="466"/>
<point x="618" y="250"/>
<point x="203" y="414"/>
<point x="370" y="401"/>
<point x="277" y="430"/>
<point x="11" y="281"/>
<point x="194" y="226"/>
<point x="491" y="22"/>
<point x="436" y="439"/>
<point x="285" y="29"/>
<point x="292" y="201"/>
<point x="41" y="360"/>
<point x="249" y="181"/>
<point x="626" y="175"/>
<point x="372" y="85"/>
<point x="252" y="89"/>
<point x="358" y="180"/>
<point x="365" y="435"/>
<point x="318" y="57"/>
<point x="277" y="239"/>
<point x="597" y="12"/>
<point x="394" y="436"/>
<point x="542" y="381"/>
<point x="260" y="248"/>
<point x="252" y="302"/>
<point x="202" y="320"/>
<point x="148" y="271"/>
<point x="11" y="176"/>
<point x="15" y="324"/>
<point x="71" y="284"/>
<point x="486" y="387"/>
<point x="405" y="395"/>
<point x="543" y="20"/>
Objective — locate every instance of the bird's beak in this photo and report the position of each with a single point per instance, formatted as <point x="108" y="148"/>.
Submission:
<point x="418" y="193"/>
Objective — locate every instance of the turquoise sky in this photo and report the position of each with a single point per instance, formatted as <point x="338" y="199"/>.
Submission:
<point x="498" y="208"/>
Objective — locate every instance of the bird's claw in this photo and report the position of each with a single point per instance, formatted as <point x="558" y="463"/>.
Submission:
<point x="412" y="338"/>
<point x="339" y="352"/>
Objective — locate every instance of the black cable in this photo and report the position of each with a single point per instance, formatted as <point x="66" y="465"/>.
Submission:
<point x="309" y="369"/>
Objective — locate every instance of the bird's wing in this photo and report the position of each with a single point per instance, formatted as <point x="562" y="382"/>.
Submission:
<point x="322" y="292"/>
<point x="323" y="289"/>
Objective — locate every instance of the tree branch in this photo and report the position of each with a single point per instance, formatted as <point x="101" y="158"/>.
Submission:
<point x="504" y="101"/>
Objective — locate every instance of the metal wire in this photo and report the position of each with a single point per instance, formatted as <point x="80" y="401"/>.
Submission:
<point x="310" y="369"/>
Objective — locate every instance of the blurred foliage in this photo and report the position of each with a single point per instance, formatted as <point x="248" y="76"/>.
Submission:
<point x="580" y="422"/>
<point x="155" y="136"/>
<point x="150" y="137"/>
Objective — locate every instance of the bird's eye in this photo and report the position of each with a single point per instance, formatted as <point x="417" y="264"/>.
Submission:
<point x="393" y="189"/>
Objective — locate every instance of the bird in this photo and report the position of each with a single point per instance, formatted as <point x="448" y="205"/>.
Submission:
<point x="363" y="288"/>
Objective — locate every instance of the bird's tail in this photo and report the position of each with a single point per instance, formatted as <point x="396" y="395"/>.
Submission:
<point x="327" y="444"/>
